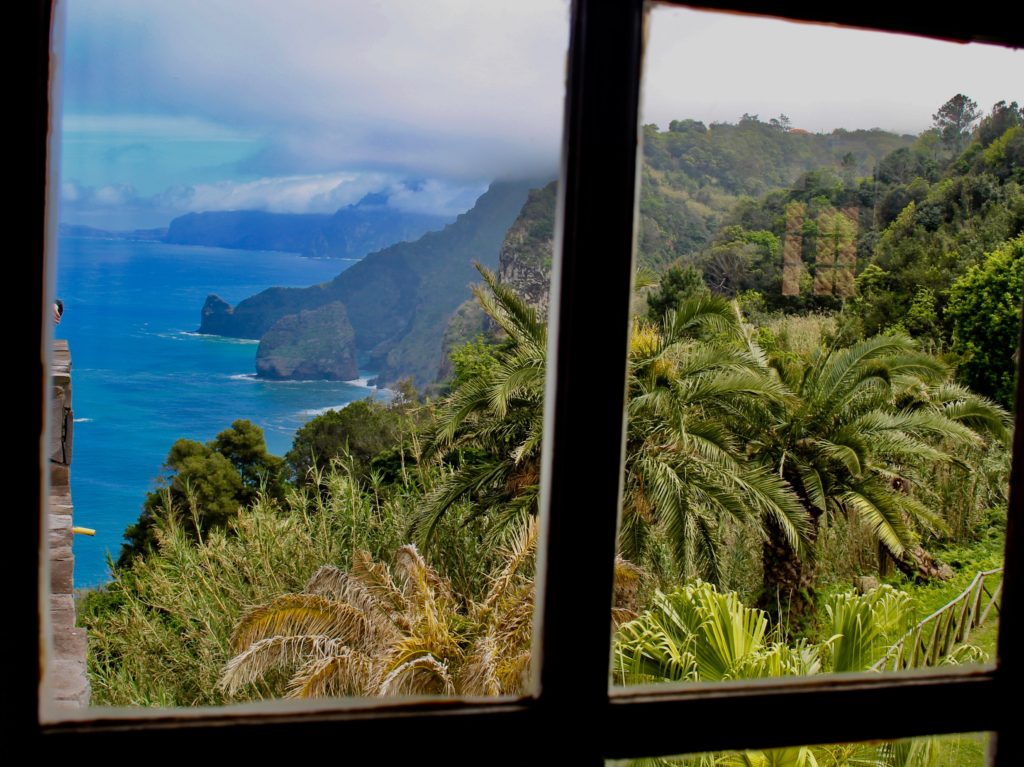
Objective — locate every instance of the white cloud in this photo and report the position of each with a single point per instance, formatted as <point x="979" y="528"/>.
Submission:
<point x="321" y="193"/>
<point x="286" y="194"/>
<point x="308" y="105"/>
<point x="105" y="196"/>
<point x="143" y="127"/>
<point x="333" y="84"/>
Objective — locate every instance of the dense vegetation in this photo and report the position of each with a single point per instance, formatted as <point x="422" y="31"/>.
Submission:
<point x="694" y="174"/>
<point x="774" y="457"/>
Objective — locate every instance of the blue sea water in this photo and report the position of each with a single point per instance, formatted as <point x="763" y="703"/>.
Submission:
<point x="143" y="378"/>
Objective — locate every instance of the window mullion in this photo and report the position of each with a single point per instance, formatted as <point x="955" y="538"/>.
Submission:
<point x="1009" y="741"/>
<point x="584" y="422"/>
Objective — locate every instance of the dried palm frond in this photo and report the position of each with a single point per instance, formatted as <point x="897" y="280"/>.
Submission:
<point x="343" y="673"/>
<point x="425" y="675"/>
<point x="399" y="631"/>
<point x="272" y="653"/>
<point x="298" y="615"/>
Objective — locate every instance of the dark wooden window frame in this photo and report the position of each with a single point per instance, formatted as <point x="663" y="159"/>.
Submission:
<point x="572" y="714"/>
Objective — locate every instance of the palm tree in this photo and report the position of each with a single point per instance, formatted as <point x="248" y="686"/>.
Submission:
<point x="488" y="432"/>
<point x="693" y="386"/>
<point x="858" y="427"/>
<point x="690" y="380"/>
<point x="372" y="631"/>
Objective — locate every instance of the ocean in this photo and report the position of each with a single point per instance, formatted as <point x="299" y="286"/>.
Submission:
<point x="142" y="378"/>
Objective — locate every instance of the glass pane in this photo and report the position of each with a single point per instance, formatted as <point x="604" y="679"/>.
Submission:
<point x="823" y="351"/>
<point x="289" y="475"/>
<point x="966" y="750"/>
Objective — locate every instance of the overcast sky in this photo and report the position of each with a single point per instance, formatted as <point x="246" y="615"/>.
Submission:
<point x="306" y="106"/>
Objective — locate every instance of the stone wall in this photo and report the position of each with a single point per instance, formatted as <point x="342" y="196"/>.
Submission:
<point x="65" y="678"/>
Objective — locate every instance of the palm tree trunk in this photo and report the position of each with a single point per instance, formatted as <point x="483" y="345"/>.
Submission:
<point x="918" y="563"/>
<point x="788" y="591"/>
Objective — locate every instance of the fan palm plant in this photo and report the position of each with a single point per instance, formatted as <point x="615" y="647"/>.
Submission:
<point x="697" y="633"/>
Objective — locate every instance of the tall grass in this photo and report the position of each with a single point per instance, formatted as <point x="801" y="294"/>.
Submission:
<point x="801" y="334"/>
<point x="158" y="634"/>
<point x="971" y="496"/>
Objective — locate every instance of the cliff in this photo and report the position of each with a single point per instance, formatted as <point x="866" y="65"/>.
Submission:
<point x="351" y="232"/>
<point x="524" y="264"/>
<point x="398" y="299"/>
<point x="314" y="344"/>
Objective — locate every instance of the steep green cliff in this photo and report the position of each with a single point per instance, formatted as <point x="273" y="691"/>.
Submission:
<point x="314" y="344"/>
<point x="398" y="299"/>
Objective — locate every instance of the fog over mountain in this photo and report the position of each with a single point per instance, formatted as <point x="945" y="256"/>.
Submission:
<point x="307" y="107"/>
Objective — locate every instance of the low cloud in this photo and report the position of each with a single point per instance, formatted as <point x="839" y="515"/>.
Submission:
<point x="120" y="206"/>
<point x="106" y="196"/>
<point x="454" y="89"/>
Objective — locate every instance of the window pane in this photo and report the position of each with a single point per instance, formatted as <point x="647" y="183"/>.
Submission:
<point x="320" y="444"/>
<point x="826" y="315"/>
<point x="965" y="750"/>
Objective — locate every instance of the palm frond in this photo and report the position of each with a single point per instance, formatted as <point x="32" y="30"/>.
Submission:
<point x="344" y="673"/>
<point x="274" y="653"/>
<point x="375" y="580"/>
<point x="425" y="675"/>
<point x="706" y="313"/>
<point x="513" y="314"/>
<point x="299" y="614"/>
<point x="515" y="559"/>
<point x="882" y="510"/>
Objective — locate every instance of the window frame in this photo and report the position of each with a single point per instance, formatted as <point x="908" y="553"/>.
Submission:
<point x="589" y="321"/>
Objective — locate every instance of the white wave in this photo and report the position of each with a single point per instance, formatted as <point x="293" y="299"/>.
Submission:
<point x="317" y="411"/>
<point x="212" y="337"/>
<point x="243" y="377"/>
<point x="362" y="383"/>
<point x="380" y="395"/>
<point x="83" y="420"/>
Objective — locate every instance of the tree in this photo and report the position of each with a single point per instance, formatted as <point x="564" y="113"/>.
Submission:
<point x="361" y="430"/>
<point x="205" y="484"/>
<point x="740" y="260"/>
<point x="472" y="359"/>
<point x="676" y="286"/>
<point x="685" y="466"/>
<point x="858" y="426"/>
<point x="243" y="445"/>
<point x="489" y="430"/>
<point x="984" y="308"/>
<point x="693" y="385"/>
<point x="375" y="631"/>
<point x="1002" y="117"/>
<point x="954" y="120"/>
